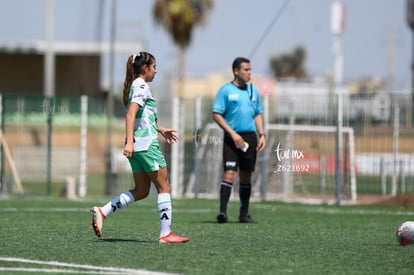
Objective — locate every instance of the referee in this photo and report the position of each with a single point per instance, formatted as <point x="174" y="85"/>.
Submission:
<point x="238" y="111"/>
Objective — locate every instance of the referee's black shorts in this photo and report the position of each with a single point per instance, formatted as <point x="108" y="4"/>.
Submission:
<point x="234" y="158"/>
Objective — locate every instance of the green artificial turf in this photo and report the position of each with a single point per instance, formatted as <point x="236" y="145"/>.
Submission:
<point x="289" y="239"/>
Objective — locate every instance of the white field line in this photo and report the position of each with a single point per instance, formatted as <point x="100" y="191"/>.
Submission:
<point x="50" y="270"/>
<point x="65" y="209"/>
<point x="361" y="212"/>
<point x="69" y="268"/>
<point x="68" y="209"/>
<point x="342" y="211"/>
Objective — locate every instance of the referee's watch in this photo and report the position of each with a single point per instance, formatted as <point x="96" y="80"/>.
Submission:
<point x="261" y="135"/>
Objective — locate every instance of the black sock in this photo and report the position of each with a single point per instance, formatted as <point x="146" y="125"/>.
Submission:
<point x="244" y="194"/>
<point x="225" y="192"/>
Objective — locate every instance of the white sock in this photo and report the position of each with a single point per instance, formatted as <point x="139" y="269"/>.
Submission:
<point x="165" y="213"/>
<point x="119" y="202"/>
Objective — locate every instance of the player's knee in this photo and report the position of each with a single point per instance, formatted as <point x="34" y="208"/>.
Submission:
<point x="229" y="176"/>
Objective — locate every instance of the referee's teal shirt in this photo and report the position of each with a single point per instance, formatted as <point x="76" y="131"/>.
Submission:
<point x="238" y="106"/>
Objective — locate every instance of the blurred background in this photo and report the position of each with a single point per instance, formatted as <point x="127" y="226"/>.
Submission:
<point x="335" y="79"/>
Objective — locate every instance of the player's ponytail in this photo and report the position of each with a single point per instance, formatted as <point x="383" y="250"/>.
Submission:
<point x="129" y="78"/>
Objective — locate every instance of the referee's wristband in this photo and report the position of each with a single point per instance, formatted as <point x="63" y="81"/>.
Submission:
<point x="261" y="135"/>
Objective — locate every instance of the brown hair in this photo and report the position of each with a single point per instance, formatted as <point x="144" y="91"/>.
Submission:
<point x="134" y="66"/>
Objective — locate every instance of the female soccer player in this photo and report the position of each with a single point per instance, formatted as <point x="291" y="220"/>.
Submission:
<point x="142" y="148"/>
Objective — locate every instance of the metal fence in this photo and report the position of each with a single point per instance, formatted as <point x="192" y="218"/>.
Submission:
<point x="377" y="148"/>
<point x="43" y="135"/>
<point x="383" y="148"/>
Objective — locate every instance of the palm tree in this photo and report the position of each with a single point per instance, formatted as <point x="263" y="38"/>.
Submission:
<point x="179" y="17"/>
<point x="289" y="65"/>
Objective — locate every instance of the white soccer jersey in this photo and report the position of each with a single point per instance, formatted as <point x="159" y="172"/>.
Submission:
<point x="145" y="129"/>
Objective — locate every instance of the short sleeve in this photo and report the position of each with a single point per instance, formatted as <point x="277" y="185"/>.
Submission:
<point x="139" y="93"/>
<point x="219" y="105"/>
<point x="259" y="108"/>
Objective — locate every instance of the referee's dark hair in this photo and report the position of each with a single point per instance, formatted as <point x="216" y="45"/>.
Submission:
<point x="237" y="62"/>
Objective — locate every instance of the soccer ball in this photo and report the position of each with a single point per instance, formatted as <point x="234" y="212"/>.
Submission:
<point x="405" y="233"/>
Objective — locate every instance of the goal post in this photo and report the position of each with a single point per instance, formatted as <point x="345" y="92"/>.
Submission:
<point x="299" y="161"/>
<point x="207" y="171"/>
<point x="320" y="134"/>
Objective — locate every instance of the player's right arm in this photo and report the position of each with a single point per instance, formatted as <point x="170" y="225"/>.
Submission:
<point x="129" y="128"/>
<point x="219" y="108"/>
<point x="219" y="119"/>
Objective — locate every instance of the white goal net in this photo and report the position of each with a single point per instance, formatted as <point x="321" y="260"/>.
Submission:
<point x="299" y="162"/>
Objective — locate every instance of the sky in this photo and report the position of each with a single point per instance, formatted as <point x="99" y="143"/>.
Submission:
<point x="376" y="32"/>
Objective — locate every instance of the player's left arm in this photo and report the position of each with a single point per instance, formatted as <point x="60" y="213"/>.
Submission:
<point x="258" y="120"/>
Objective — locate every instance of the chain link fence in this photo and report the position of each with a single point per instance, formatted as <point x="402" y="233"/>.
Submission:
<point x="383" y="149"/>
